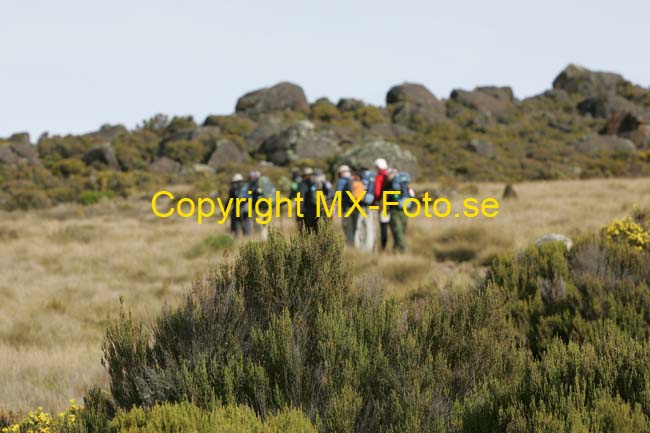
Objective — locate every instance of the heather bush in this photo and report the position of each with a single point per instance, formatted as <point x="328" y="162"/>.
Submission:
<point x="186" y="417"/>
<point x="185" y="151"/>
<point x="282" y="326"/>
<point x="551" y="340"/>
<point x="231" y="125"/>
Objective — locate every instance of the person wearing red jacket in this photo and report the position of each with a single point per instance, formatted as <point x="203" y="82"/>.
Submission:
<point x="380" y="179"/>
<point x="394" y="217"/>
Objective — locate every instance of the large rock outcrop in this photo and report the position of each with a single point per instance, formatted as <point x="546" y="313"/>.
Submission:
<point x="225" y="152"/>
<point x="603" y="106"/>
<point x="282" y="96"/>
<point x="576" y="79"/>
<point x="364" y="156"/>
<point x="165" y="166"/>
<point x="300" y="141"/>
<point x="631" y="126"/>
<point x="482" y="147"/>
<point x="103" y="154"/>
<point x="414" y="106"/>
<point x="20" y="138"/>
<point x="489" y="100"/>
<point x="266" y="127"/>
<point x="7" y="155"/>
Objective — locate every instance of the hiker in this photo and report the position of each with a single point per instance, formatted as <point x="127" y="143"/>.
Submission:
<point x="260" y="187"/>
<point x="324" y="185"/>
<point x="364" y="235"/>
<point x="309" y="186"/>
<point x="239" y="189"/>
<point x="345" y="185"/>
<point x="394" y="217"/>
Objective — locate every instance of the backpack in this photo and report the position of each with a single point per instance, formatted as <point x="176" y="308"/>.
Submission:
<point x="402" y="183"/>
<point x="268" y="189"/>
<point x="368" y="180"/>
<point x="357" y="188"/>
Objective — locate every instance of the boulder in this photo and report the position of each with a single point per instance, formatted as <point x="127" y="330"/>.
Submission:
<point x="102" y="153"/>
<point x="414" y="106"/>
<point x="8" y="156"/>
<point x="226" y="151"/>
<point x="503" y="93"/>
<point x="364" y="155"/>
<point x="482" y="147"/>
<point x="596" y="143"/>
<point x="603" y="106"/>
<point x="554" y="237"/>
<point x="416" y="117"/>
<point x="414" y="93"/>
<point x="108" y="132"/>
<point x="300" y="141"/>
<point x="627" y="125"/>
<point x="25" y="150"/>
<point x="267" y="126"/>
<point x="20" y="138"/>
<point x="282" y="96"/>
<point x="576" y="79"/>
<point x="165" y="165"/>
<point x="492" y="101"/>
<point x="350" y="104"/>
<point x="621" y="122"/>
<point x="640" y="137"/>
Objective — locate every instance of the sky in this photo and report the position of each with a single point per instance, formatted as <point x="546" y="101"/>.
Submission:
<point x="69" y="66"/>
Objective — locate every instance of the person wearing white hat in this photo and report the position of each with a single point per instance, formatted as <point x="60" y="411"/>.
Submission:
<point x="308" y="191"/>
<point x="238" y="189"/>
<point x="383" y="182"/>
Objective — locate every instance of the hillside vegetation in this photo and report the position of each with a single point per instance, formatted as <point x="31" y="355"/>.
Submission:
<point x="590" y="124"/>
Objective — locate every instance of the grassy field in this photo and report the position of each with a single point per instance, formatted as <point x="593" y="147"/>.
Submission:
<point x="63" y="270"/>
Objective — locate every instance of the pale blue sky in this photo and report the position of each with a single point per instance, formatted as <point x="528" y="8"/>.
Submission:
<point x="71" y="65"/>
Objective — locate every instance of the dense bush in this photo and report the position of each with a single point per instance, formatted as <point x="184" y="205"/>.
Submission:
<point x="185" y="151"/>
<point x="552" y="340"/>
<point x="186" y="417"/>
<point x="282" y="326"/>
<point x="231" y="125"/>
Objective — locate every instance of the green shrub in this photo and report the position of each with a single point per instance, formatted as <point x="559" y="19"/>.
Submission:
<point x="231" y="125"/>
<point x="178" y="123"/>
<point x="186" y="417"/>
<point x="185" y="151"/>
<point x="325" y="112"/>
<point x="369" y="116"/>
<point x="53" y="149"/>
<point x="136" y="150"/>
<point x="282" y="326"/>
<point x="25" y="199"/>
<point x="68" y="167"/>
<point x="599" y="387"/>
<point x="87" y="198"/>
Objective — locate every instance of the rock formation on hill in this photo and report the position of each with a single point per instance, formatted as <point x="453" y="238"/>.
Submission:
<point x="588" y="124"/>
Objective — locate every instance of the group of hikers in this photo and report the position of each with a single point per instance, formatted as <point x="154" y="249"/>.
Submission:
<point x="362" y="192"/>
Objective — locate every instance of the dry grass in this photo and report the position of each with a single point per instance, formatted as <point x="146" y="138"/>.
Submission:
<point x="63" y="270"/>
